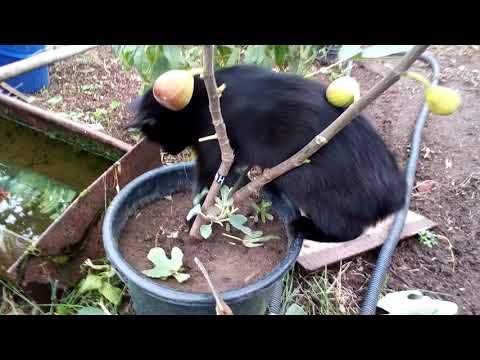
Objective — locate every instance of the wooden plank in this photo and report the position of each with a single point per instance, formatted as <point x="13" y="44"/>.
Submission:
<point x="11" y="247"/>
<point x="20" y="95"/>
<point x="315" y="255"/>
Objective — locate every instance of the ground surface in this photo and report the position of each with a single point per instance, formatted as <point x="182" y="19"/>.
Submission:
<point x="448" y="171"/>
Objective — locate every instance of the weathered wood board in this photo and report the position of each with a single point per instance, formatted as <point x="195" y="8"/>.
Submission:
<point x="315" y="255"/>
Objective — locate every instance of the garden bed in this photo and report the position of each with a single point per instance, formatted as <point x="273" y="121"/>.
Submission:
<point x="450" y="163"/>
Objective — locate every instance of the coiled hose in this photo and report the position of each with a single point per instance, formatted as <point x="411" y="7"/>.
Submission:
<point x="275" y="306"/>
<point x="369" y="305"/>
<point x="377" y="279"/>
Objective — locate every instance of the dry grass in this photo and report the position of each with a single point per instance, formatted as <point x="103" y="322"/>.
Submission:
<point x="321" y="293"/>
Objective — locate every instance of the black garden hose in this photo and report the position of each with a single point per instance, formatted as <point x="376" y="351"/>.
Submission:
<point x="369" y="305"/>
<point x="276" y="303"/>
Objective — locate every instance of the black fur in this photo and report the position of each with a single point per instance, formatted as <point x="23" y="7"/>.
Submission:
<point x="351" y="183"/>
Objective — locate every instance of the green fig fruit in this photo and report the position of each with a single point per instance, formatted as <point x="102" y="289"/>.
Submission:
<point x="343" y="92"/>
<point x="442" y="100"/>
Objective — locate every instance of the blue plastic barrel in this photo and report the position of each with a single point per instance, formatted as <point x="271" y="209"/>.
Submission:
<point x="31" y="81"/>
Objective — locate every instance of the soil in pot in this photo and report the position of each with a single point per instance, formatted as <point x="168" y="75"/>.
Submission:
<point x="230" y="264"/>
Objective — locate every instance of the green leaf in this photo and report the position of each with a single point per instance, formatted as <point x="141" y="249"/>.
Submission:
<point x="347" y="52"/>
<point x="194" y="211"/>
<point x="60" y="259"/>
<point x="90" y="310"/>
<point x="163" y="266"/>
<point x="176" y="259"/>
<point x="251" y="244"/>
<point x="234" y="57"/>
<point x="114" y="104"/>
<point x="88" y="87"/>
<point x="295" y="309"/>
<point x="152" y="52"/>
<point x="251" y="54"/>
<point x="200" y="196"/>
<point x="281" y="52"/>
<point x="378" y="51"/>
<point x="144" y="88"/>
<point x="140" y="59"/>
<point x="181" y="277"/>
<point x="256" y="234"/>
<point x="54" y="100"/>
<point x="110" y="273"/>
<point x="257" y="54"/>
<point x="127" y="53"/>
<point x="237" y="221"/>
<point x="269" y="216"/>
<point x="159" y="68"/>
<point x="111" y="293"/>
<point x="224" y="192"/>
<point x="173" y="55"/>
<point x="63" y="309"/>
<point x="222" y="53"/>
<point x="193" y="56"/>
<point x="91" y="282"/>
<point x="206" y="231"/>
<point x="116" y="49"/>
<point x="246" y="230"/>
<point x="266" y="204"/>
<point x="250" y="241"/>
<point x="91" y="265"/>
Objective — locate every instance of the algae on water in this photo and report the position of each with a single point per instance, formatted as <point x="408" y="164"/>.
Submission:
<point x="40" y="178"/>
<point x="33" y="202"/>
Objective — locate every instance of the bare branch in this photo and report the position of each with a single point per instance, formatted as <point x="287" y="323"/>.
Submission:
<point x="221" y="306"/>
<point x="214" y="94"/>
<point x="42" y="59"/>
<point x="326" y="135"/>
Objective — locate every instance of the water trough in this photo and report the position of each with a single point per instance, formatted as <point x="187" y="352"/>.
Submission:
<point x="56" y="253"/>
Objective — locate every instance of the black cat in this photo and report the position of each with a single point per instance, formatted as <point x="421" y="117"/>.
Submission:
<point x="351" y="183"/>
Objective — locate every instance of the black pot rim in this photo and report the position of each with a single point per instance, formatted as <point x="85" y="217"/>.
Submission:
<point x="129" y="273"/>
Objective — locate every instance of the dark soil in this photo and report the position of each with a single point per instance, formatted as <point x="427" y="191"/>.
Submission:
<point x="94" y="89"/>
<point x="84" y="87"/>
<point x="229" y="264"/>
<point x="448" y="175"/>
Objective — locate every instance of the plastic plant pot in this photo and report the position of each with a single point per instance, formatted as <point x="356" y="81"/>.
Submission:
<point x="150" y="297"/>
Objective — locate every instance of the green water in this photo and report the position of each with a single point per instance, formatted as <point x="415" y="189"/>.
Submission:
<point x="42" y="177"/>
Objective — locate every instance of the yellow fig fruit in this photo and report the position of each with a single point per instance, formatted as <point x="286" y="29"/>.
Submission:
<point x="442" y="100"/>
<point x="174" y="89"/>
<point x="343" y="91"/>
